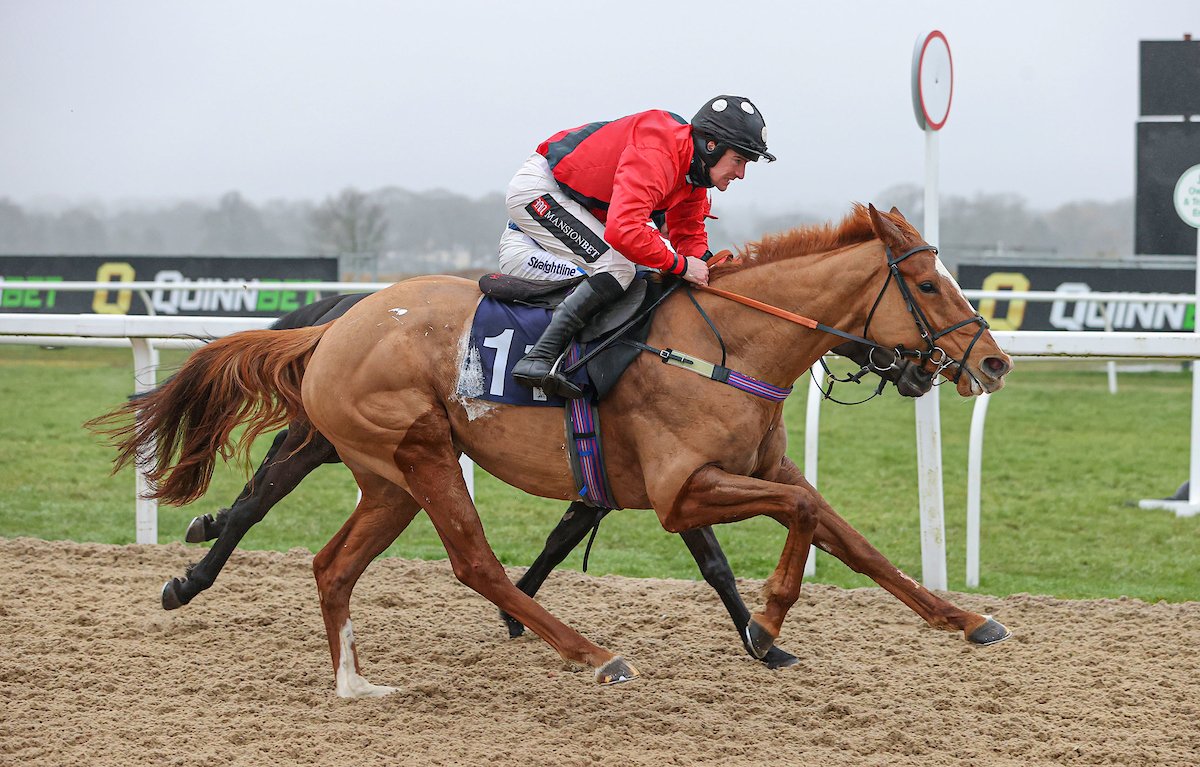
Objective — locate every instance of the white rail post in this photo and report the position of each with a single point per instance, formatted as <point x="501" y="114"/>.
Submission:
<point x="145" y="378"/>
<point x="1109" y="308"/>
<point x="974" y="483"/>
<point x="812" y="437"/>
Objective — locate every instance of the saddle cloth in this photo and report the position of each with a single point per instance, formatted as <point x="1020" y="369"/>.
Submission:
<point x="503" y="331"/>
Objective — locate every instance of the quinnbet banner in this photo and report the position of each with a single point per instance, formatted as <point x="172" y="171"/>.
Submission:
<point x="1072" y="314"/>
<point x="257" y="286"/>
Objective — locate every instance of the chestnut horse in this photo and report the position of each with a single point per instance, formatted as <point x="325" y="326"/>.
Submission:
<point x="382" y="385"/>
<point x="297" y="451"/>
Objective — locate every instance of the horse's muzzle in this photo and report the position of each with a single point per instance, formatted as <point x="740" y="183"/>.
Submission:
<point x="987" y="376"/>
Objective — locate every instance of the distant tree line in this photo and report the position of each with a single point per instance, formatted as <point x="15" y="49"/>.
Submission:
<point x="1003" y="223"/>
<point x="396" y="231"/>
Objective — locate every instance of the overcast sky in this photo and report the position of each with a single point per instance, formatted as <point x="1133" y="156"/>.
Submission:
<point x="121" y="100"/>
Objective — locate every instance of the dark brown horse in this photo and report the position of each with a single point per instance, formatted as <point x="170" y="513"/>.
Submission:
<point x="381" y="384"/>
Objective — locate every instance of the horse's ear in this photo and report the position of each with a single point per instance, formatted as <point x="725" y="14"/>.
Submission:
<point x="885" y="228"/>
<point x="896" y="212"/>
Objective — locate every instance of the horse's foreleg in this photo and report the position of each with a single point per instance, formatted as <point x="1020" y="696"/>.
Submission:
<point x="382" y="514"/>
<point x="433" y="473"/>
<point x="837" y="537"/>
<point x="280" y="472"/>
<point x="714" y="496"/>
<point x="566" y="535"/>
<point x="702" y="543"/>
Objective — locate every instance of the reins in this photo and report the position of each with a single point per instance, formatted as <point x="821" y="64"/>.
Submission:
<point x="924" y="328"/>
<point x="855" y="378"/>
<point x="932" y="353"/>
<point x="784" y="314"/>
<point x="808" y="322"/>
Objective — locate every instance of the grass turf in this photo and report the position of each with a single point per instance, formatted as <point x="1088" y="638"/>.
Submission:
<point x="1063" y="459"/>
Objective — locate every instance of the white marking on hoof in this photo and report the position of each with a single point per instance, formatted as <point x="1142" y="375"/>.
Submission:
<point x="350" y="684"/>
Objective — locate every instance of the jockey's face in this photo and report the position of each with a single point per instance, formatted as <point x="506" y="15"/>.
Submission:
<point x="731" y="166"/>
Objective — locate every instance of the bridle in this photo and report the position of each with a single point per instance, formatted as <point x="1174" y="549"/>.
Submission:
<point x="932" y="353"/>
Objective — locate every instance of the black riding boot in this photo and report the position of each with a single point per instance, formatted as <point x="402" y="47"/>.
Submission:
<point x="536" y="369"/>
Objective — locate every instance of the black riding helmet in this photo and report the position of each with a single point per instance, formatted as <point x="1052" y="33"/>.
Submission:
<point x="733" y="122"/>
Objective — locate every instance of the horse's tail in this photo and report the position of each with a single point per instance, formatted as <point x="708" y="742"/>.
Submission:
<point x="175" y="432"/>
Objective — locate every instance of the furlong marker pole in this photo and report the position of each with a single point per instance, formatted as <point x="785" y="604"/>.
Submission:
<point x="929" y="419"/>
<point x="932" y="92"/>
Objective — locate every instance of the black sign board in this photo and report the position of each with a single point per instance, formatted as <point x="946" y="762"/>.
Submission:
<point x="1070" y="314"/>
<point x="1170" y="77"/>
<point x="257" y="286"/>
<point x="1165" y="150"/>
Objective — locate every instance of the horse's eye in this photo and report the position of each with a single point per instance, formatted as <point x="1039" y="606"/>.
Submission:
<point x="927" y="287"/>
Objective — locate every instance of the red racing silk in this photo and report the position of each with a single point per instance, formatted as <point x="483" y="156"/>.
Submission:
<point x="627" y="169"/>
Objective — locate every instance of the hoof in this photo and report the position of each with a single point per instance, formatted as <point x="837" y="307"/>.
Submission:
<point x="991" y="632"/>
<point x="170" y="595"/>
<point x="758" y="640"/>
<point x="777" y="658"/>
<point x="616" y="671"/>
<point x="197" y="531"/>
<point x="514" y="626"/>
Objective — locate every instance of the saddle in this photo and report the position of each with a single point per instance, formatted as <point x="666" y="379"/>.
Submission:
<point x="548" y="294"/>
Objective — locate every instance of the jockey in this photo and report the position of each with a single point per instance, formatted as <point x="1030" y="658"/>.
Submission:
<point x="581" y="202"/>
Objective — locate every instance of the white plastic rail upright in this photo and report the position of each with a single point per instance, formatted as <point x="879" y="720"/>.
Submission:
<point x="812" y="435"/>
<point x="974" y="487"/>
<point x="145" y="374"/>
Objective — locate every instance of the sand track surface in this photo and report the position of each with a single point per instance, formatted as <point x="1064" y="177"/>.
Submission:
<point x="94" y="672"/>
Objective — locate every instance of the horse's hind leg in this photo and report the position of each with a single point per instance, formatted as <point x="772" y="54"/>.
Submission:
<point x="280" y="472"/>
<point x="206" y="527"/>
<point x="566" y="535"/>
<point x="836" y="536"/>
<point x="706" y="550"/>
<point x="701" y="542"/>
<point x="381" y="515"/>
<point x="435" y="479"/>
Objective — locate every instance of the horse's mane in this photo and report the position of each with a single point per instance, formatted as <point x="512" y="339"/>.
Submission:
<point x="815" y="238"/>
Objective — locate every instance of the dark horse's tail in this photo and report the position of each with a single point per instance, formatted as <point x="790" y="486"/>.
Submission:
<point x="176" y="431"/>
